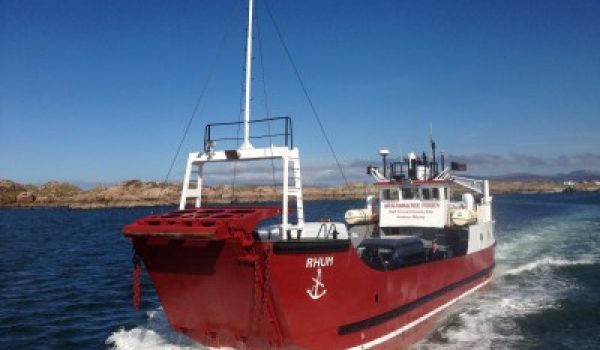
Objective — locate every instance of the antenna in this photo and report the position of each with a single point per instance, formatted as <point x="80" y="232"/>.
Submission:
<point x="434" y="170"/>
<point x="430" y="130"/>
<point x="246" y="144"/>
<point x="384" y="153"/>
<point x="431" y="143"/>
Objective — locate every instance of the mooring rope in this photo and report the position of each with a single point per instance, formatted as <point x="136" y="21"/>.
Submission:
<point x="136" y="279"/>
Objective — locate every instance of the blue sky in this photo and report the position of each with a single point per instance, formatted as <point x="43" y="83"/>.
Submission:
<point x="101" y="91"/>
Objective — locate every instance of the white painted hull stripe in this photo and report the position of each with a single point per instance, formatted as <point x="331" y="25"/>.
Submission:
<point x="419" y="320"/>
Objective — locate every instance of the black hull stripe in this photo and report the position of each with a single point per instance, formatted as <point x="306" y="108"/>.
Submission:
<point x="316" y="246"/>
<point x="396" y="312"/>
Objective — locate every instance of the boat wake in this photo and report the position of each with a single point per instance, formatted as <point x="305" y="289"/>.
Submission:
<point x="531" y="277"/>
<point x="549" y="263"/>
<point x="156" y="334"/>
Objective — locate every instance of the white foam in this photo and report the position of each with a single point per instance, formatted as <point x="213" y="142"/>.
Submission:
<point x="546" y="263"/>
<point x="525" y="282"/>
<point x="156" y="334"/>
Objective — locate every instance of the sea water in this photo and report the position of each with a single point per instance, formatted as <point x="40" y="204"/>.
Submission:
<point x="65" y="280"/>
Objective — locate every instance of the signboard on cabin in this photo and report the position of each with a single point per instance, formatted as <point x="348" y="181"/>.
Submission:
<point x="416" y="213"/>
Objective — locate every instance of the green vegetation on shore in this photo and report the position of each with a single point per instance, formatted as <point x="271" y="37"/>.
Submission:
<point x="133" y="193"/>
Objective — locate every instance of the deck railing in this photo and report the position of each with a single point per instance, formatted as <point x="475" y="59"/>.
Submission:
<point x="270" y="129"/>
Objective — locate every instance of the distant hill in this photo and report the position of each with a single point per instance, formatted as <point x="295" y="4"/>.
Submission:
<point x="577" y="175"/>
<point x="135" y="193"/>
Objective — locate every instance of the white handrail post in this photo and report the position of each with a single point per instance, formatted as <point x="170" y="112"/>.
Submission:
<point x="199" y="174"/>
<point x="284" y="204"/>
<point x="186" y="182"/>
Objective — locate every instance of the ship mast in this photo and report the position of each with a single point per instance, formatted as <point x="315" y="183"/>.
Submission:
<point x="246" y="144"/>
<point x="291" y="174"/>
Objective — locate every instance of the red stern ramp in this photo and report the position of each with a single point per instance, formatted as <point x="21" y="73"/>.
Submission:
<point x="201" y="223"/>
<point x="208" y="272"/>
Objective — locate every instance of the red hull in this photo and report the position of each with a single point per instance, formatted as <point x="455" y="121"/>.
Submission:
<point x="228" y="292"/>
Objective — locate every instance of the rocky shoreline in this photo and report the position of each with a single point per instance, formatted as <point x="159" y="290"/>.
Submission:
<point x="136" y="193"/>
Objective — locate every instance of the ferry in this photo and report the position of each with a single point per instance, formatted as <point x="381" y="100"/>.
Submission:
<point x="261" y="277"/>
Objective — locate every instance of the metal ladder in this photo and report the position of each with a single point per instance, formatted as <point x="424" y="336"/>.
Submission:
<point x="293" y="188"/>
<point x="192" y="187"/>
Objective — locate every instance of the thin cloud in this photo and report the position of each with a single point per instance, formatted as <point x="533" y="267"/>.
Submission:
<point x="494" y="164"/>
<point x="584" y="159"/>
<point x="521" y="158"/>
<point x="319" y="173"/>
<point x="478" y="159"/>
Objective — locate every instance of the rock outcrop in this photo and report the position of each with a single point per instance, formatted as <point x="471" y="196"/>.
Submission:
<point x="133" y="193"/>
<point x="9" y="190"/>
<point x="25" y="197"/>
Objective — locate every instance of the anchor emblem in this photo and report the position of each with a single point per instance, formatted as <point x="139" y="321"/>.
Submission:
<point x="314" y="292"/>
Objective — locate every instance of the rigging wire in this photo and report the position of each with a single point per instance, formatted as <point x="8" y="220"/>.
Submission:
<point x="237" y="134"/>
<point x="200" y="98"/>
<point x="262" y="70"/>
<point x="312" y="106"/>
<point x="241" y="109"/>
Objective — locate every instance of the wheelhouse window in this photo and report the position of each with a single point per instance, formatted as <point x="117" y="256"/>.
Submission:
<point x="426" y="194"/>
<point x="430" y="194"/>
<point x="410" y="193"/>
<point x="390" y="194"/>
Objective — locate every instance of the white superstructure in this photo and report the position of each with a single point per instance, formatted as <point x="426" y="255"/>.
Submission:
<point x="415" y="198"/>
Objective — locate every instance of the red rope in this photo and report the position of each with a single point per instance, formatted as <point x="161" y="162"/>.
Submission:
<point x="136" y="283"/>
